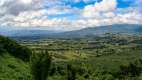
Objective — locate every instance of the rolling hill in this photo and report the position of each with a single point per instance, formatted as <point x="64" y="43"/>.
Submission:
<point x="130" y="29"/>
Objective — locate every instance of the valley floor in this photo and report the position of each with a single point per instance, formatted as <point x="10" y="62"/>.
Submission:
<point x="100" y="58"/>
<point x="110" y="57"/>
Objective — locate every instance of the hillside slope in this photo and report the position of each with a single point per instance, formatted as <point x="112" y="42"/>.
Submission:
<point x="13" y="63"/>
<point x="13" y="68"/>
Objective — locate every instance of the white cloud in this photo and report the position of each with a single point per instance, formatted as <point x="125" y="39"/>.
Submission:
<point x="26" y="1"/>
<point x="38" y="19"/>
<point x="76" y="1"/>
<point x="66" y="24"/>
<point x="15" y="7"/>
<point x="106" y="6"/>
<point x="31" y="14"/>
<point x="89" y="1"/>
<point x="109" y="14"/>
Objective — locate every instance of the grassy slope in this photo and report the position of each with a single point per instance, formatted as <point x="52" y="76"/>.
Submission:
<point x="12" y="64"/>
<point x="13" y="68"/>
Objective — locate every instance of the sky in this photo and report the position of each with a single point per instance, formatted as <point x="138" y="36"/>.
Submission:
<point x="67" y="15"/>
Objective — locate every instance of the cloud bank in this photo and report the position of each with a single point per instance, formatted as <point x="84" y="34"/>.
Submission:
<point x="68" y="15"/>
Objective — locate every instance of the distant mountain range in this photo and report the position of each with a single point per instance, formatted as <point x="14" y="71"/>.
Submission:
<point x="131" y="29"/>
<point x="92" y="31"/>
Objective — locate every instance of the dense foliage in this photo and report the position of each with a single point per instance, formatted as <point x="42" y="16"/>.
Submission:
<point x="40" y="66"/>
<point x="14" y="48"/>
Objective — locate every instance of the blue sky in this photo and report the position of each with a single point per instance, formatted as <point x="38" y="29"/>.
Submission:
<point x="82" y="4"/>
<point x="68" y="14"/>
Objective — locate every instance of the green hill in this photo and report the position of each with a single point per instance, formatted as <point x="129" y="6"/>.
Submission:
<point x="12" y="47"/>
<point x="13" y="60"/>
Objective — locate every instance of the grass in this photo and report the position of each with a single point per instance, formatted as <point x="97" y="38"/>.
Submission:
<point x="12" y="68"/>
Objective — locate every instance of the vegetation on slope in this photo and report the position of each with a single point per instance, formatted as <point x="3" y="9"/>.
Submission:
<point x="12" y="60"/>
<point x="12" y="68"/>
<point x="14" y="48"/>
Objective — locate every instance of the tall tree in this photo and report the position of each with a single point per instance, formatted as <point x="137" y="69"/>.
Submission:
<point x="71" y="72"/>
<point x="40" y="65"/>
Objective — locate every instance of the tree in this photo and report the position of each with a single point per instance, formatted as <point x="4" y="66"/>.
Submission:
<point x="71" y="72"/>
<point x="40" y="65"/>
<point x="2" y="50"/>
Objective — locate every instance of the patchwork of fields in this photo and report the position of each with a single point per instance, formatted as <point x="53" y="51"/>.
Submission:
<point x="100" y="58"/>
